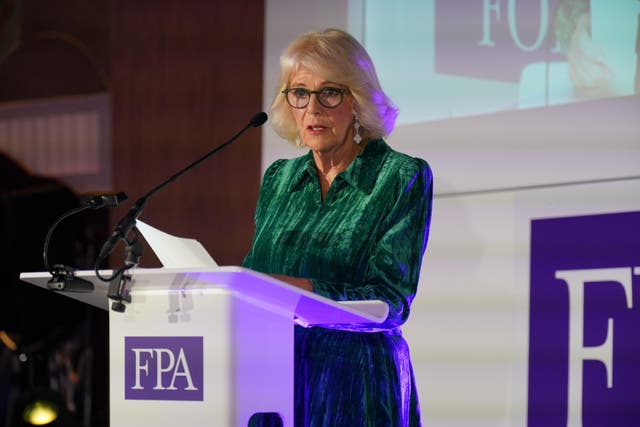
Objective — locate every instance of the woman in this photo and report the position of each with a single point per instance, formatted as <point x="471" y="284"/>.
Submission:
<point x="349" y="221"/>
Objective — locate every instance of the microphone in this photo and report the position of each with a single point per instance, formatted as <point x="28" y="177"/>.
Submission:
<point x="63" y="277"/>
<point x="98" y="201"/>
<point x="258" y="120"/>
<point x="127" y="223"/>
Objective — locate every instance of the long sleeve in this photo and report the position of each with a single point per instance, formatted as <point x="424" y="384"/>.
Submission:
<point x="365" y="241"/>
<point x="393" y="267"/>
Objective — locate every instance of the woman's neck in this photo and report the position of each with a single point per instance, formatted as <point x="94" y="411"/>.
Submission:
<point x="333" y="162"/>
<point x="330" y="164"/>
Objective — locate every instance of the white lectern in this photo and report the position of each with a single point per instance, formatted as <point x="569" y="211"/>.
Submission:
<point x="208" y="347"/>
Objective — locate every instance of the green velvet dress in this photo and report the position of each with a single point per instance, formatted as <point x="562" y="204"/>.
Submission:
<point x="364" y="241"/>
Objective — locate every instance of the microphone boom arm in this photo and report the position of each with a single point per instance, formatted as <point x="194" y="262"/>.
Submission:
<point x="127" y="223"/>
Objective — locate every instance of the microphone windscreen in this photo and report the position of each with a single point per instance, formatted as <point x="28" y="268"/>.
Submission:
<point x="258" y="119"/>
<point x="97" y="201"/>
<point x="113" y="200"/>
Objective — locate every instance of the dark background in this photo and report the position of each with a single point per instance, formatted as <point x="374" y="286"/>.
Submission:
<point x="182" y="77"/>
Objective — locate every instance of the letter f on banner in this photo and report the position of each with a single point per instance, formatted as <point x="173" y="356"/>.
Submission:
<point x="576" y="281"/>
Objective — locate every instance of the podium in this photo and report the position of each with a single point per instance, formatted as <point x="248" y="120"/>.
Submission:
<point x="208" y="346"/>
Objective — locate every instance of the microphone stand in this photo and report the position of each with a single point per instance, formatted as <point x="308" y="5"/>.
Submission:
<point x="127" y="225"/>
<point x="62" y="276"/>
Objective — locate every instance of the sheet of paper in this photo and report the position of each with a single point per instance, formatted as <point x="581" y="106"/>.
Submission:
<point x="175" y="252"/>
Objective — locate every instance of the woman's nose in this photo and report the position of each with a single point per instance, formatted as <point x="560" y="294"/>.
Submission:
<point x="314" y="106"/>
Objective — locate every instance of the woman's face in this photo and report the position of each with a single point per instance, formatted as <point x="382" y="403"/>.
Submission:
<point x="320" y="128"/>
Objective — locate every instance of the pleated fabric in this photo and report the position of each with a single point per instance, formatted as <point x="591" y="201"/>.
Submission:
<point x="365" y="241"/>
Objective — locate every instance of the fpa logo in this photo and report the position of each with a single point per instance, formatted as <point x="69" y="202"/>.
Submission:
<point x="584" y="345"/>
<point x="163" y="368"/>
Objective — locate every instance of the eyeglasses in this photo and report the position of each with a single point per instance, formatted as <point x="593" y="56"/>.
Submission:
<point x="329" y="97"/>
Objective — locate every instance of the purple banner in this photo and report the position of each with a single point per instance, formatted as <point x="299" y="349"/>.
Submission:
<point x="584" y="346"/>
<point x="493" y="39"/>
<point x="163" y="368"/>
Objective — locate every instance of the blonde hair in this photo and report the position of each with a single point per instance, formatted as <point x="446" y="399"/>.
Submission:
<point x="338" y="57"/>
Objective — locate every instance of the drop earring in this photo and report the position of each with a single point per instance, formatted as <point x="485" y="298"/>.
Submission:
<point x="298" y="141"/>
<point x="356" y="126"/>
